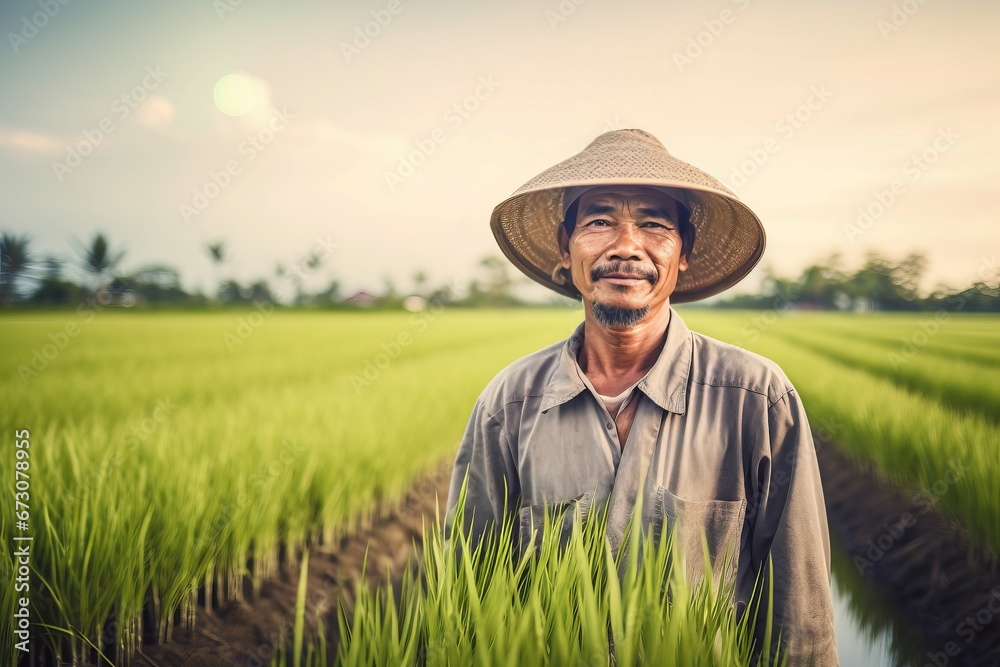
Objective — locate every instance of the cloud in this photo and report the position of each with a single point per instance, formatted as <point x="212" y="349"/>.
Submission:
<point x="30" y="142"/>
<point x="156" y="113"/>
<point x="243" y="103"/>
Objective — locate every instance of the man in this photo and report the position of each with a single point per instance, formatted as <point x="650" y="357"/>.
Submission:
<point x="714" y="438"/>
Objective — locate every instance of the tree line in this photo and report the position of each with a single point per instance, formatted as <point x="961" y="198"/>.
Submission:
<point x="26" y="278"/>
<point x="878" y="284"/>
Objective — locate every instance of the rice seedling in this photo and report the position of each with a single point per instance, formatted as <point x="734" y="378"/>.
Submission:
<point x="300" y="608"/>
<point x="565" y="598"/>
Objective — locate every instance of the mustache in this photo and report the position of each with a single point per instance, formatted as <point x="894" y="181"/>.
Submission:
<point x="624" y="268"/>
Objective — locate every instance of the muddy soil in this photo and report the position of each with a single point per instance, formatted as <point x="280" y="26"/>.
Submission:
<point x="246" y="632"/>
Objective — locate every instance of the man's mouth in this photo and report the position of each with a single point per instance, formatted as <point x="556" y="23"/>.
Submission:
<point x="613" y="273"/>
<point x="623" y="278"/>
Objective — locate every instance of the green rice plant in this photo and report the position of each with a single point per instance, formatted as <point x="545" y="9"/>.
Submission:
<point x="941" y="346"/>
<point x="302" y="430"/>
<point x="565" y="599"/>
<point x="300" y="607"/>
<point x="316" y="651"/>
<point x="8" y="596"/>
<point x="164" y="461"/>
<point x="82" y="547"/>
<point x="945" y="338"/>
<point x="961" y="384"/>
<point x="973" y="327"/>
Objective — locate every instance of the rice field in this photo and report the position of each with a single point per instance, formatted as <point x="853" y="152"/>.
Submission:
<point x="565" y="601"/>
<point x="169" y="450"/>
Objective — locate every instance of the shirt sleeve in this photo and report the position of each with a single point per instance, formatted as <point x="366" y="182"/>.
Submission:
<point x="791" y="527"/>
<point x="492" y="485"/>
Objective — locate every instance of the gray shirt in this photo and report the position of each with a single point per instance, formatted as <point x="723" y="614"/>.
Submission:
<point x="720" y="443"/>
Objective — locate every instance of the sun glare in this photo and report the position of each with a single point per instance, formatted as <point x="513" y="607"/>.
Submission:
<point x="238" y="94"/>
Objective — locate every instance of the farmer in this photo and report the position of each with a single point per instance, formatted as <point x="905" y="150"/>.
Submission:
<point x="714" y="438"/>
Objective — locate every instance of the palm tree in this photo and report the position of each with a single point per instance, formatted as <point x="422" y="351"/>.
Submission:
<point x="419" y="281"/>
<point x="99" y="260"/>
<point x="217" y="251"/>
<point x="15" y="258"/>
<point x="500" y="284"/>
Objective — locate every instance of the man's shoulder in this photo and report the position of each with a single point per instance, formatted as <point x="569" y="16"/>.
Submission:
<point x="526" y="376"/>
<point x="722" y="364"/>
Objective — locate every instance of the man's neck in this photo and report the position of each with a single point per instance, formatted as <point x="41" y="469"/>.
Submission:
<point x="621" y="355"/>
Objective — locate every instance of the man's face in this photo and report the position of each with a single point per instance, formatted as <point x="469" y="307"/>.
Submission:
<point x="625" y="250"/>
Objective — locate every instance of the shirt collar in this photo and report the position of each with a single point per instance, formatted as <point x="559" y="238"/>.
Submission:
<point x="665" y="383"/>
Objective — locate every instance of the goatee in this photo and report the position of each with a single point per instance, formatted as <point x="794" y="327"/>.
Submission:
<point x="615" y="316"/>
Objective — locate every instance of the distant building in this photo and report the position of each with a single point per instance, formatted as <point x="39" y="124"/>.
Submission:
<point x="863" y="305"/>
<point x="362" y="300"/>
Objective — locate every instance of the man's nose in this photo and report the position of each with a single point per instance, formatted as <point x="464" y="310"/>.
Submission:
<point x="626" y="243"/>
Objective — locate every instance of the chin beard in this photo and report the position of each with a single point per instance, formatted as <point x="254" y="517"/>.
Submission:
<point x="615" y="316"/>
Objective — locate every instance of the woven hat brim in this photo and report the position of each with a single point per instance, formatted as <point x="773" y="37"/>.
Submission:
<point x="729" y="238"/>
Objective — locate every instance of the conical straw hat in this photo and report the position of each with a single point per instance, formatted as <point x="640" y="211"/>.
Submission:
<point x="729" y="239"/>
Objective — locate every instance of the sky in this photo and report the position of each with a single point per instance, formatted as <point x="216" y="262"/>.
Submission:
<point x="381" y="134"/>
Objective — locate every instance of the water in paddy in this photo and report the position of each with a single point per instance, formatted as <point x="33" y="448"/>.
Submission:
<point x="870" y="633"/>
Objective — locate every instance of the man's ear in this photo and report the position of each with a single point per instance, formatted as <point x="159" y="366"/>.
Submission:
<point x="682" y="263"/>
<point x="564" y="247"/>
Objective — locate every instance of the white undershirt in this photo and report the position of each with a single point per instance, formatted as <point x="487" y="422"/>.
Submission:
<point x="616" y="404"/>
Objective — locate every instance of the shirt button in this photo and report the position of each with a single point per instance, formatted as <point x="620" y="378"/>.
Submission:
<point x="610" y="426"/>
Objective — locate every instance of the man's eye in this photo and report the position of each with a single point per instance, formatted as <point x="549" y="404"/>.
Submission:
<point x="599" y="222"/>
<point x="661" y="225"/>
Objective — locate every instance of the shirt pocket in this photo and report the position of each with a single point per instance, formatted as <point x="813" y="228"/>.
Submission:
<point x="722" y="524"/>
<point x="532" y="519"/>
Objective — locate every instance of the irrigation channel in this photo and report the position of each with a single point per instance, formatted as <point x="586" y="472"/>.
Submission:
<point x="909" y="591"/>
